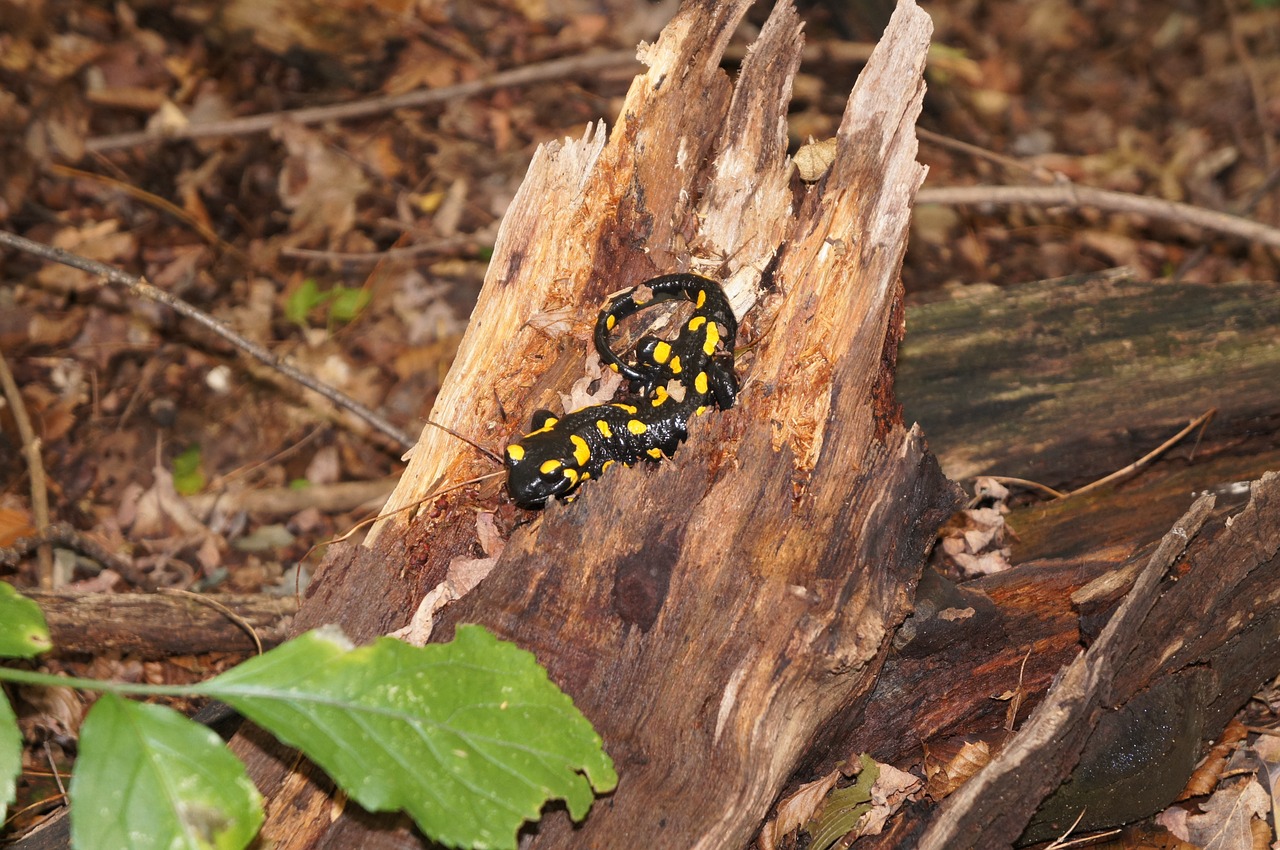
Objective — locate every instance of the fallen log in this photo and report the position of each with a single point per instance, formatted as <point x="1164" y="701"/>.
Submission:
<point x="157" y="625"/>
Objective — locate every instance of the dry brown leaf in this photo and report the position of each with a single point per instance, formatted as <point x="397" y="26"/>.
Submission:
<point x="950" y="763"/>
<point x="422" y="65"/>
<point x="1174" y="819"/>
<point x="160" y="509"/>
<point x="1267" y="750"/>
<point x="318" y="184"/>
<point x="796" y="810"/>
<point x="1211" y="768"/>
<point x="813" y="159"/>
<point x="464" y="574"/>
<point x="15" y="523"/>
<point x="977" y="539"/>
<point x="325" y="466"/>
<point x="607" y="382"/>
<point x="892" y="788"/>
<point x="53" y="712"/>
<point x="1228" y="815"/>
<point x="95" y="240"/>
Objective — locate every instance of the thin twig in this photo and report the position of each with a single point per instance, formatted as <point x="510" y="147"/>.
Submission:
<point x="541" y="72"/>
<point x="244" y="624"/>
<point x="1071" y="195"/>
<point x="1015" y="701"/>
<point x="53" y="768"/>
<point x="205" y="232"/>
<point x="1083" y="840"/>
<point x="1058" y="842"/>
<point x="435" y="246"/>
<point x="141" y="289"/>
<point x="60" y="535"/>
<point x="1012" y="163"/>
<point x="1026" y="482"/>
<point x="35" y="466"/>
<point x="16" y="815"/>
<point x="487" y="452"/>
<point x="1262" y="190"/>
<point x="370" y="520"/>
<point x="1199" y="421"/>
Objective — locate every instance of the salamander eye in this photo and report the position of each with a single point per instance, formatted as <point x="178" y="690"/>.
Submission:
<point x="531" y="484"/>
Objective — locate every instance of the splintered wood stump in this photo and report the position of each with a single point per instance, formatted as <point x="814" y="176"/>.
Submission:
<point x="709" y="615"/>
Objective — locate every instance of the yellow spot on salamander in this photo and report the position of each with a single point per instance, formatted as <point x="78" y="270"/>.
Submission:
<point x="635" y="426"/>
<point x="546" y="426"/>
<point x="628" y="408"/>
<point x="661" y="352"/>
<point x="656" y="454"/>
<point x="700" y="383"/>
<point x="581" y="451"/>
<point x="702" y="298"/>
<point x="697" y="322"/>
<point x="571" y="474"/>
<point x="713" y="336"/>
<point x="586" y="476"/>
<point x="613" y="366"/>
<point x="610" y="321"/>
<point x="515" y="451"/>
<point x="676" y="368"/>
<point x="700" y="410"/>
<point x="549" y="466"/>
<point x="606" y="465"/>
<point x="659" y="396"/>
<point x="603" y="428"/>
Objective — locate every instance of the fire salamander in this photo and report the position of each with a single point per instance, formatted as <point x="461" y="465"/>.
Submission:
<point x="671" y="382"/>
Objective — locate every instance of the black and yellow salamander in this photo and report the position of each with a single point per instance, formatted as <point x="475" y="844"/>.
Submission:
<point x="671" y="382"/>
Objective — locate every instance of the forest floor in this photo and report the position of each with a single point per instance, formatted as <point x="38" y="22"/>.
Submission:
<point x="356" y="246"/>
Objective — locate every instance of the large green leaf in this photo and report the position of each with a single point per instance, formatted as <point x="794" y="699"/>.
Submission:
<point x="10" y="754"/>
<point x="470" y="738"/>
<point x="23" y="633"/>
<point x="147" y="777"/>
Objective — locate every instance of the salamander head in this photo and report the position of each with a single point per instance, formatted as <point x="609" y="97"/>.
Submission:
<point x="536" y="469"/>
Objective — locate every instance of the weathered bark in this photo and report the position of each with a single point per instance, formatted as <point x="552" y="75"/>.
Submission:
<point x="149" y="625"/>
<point x="710" y="614"/>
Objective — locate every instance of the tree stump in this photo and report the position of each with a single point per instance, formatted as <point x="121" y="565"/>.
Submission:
<point x="709" y="615"/>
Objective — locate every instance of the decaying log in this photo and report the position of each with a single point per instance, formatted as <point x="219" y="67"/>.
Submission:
<point x="1191" y="641"/>
<point x="151" y="625"/>
<point x="1060" y="380"/>
<point x="709" y="614"/>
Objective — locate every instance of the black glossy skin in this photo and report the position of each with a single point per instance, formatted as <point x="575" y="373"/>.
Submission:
<point x="559" y="454"/>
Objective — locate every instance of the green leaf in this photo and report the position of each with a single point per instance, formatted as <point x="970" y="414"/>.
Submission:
<point x="302" y="301"/>
<point x="843" y="808"/>
<point x="23" y="632"/>
<point x="147" y="777"/>
<point x="10" y="754"/>
<point x="347" y="303"/>
<point x="188" y="476"/>
<point x="470" y="738"/>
